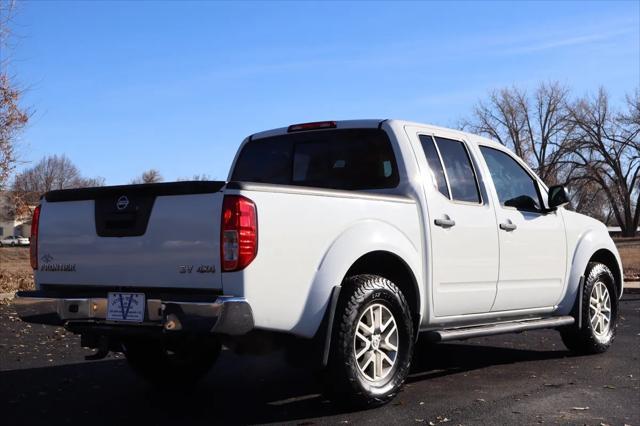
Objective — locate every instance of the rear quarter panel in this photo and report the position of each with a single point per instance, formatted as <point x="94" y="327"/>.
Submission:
<point x="308" y="241"/>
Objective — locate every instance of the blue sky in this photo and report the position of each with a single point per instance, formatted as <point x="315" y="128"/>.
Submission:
<point x="121" y="87"/>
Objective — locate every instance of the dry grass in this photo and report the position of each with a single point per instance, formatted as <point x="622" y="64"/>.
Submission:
<point x="16" y="273"/>
<point x="629" y="249"/>
<point x="15" y="270"/>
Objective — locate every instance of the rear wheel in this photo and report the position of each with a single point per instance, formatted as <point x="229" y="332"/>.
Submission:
<point x="179" y="362"/>
<point x="599" y="313"/>
<point x="372" y="342"/>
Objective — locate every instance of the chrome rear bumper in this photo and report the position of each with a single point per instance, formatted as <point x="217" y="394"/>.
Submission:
<point x="225" y="315"/>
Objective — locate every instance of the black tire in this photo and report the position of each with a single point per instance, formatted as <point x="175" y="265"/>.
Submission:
<point x="179" y="362"/>
<point x="586" y="340"/>
<point x="345" y="382"/>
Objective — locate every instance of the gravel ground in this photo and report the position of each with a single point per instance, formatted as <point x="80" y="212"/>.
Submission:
<point x="527" y="378"/>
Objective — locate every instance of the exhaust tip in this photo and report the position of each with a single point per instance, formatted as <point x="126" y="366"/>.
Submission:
<point x="172" y="323"/>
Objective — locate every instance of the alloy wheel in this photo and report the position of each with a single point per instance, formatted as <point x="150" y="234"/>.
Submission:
<point x="376" y="342"/>
<point x="600" y="309"/>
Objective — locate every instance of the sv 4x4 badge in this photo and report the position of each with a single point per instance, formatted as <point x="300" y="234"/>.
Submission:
<point x="202" y="269"/>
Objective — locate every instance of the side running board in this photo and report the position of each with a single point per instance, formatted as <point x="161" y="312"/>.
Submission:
<point x="498" y="328"/>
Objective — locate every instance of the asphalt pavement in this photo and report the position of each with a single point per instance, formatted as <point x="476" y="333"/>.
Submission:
<point x="527" y="378"/>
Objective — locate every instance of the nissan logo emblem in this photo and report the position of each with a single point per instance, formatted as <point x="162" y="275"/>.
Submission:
<point x="122" y="202"/>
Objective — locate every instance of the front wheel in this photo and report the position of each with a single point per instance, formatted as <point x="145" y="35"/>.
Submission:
<point x="372" y="342"/>
<point x="179" y="362"/>
<point x="599" y="313"/>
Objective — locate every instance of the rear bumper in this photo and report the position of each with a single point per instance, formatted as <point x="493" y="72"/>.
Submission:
<point x="225" y="315"/>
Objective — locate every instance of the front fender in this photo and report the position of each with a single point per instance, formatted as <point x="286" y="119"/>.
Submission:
<point x="588" y="244"/>
<point x="363" y="237"/>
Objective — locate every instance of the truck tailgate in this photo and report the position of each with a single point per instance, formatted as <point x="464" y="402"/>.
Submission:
<point x="157" y="235"/>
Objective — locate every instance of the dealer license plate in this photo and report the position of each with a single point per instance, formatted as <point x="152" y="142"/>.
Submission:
<point x="125" y="307"/>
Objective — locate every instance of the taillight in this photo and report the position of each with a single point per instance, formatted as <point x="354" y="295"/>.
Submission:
<point x="33" y="244"/>
<point x="239" y="233"/>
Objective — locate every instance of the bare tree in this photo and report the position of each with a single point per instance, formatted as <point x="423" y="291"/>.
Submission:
<point x="13" y="117"/>
<point x="50" y="173"/>
<point x="632" y="116"/>
<point x="535" y="127"/>
<point x="7" y="8"/>
<point x="606" y="151"/>
<point x="196" y="177"/>
<point x="53" y="172"/>
<point x="150" y="176"/>
<point x="583" y="143"/>
<point x="588" y="198"/>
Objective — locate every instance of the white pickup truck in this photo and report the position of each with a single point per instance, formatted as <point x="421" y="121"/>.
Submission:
<point x="341" y="241"/>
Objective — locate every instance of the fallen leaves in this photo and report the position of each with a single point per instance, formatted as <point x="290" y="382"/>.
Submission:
<point x="14" y="281"/>
<point x="438" y="420"/>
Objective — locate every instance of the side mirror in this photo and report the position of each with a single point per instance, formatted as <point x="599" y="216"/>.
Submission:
<point x="523" y="202"/>
<point x="558" y="196"/>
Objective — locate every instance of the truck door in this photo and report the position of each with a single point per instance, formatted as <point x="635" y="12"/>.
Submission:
<point x="463" y="236"/>
<point x="533" y="251"/>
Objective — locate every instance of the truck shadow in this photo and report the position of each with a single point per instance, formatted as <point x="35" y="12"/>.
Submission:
<point x="237" y="391"/>
<point x="438" y="360"/>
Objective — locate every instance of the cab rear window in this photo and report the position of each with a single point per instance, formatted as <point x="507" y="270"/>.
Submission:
<point x="355" y="159"/>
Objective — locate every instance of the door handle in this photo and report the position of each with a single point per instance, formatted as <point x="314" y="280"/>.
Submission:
<point x="508" y="226"/>
<point x="445" y="222"/>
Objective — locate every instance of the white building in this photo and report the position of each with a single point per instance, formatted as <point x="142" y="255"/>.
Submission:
<point x="9" y="224"/>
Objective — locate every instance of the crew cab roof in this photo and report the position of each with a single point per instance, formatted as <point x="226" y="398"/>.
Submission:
<point x="373" y="123"/>
<point x="342" y="124"/>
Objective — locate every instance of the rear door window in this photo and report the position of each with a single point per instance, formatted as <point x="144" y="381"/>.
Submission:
<point x="355" y="159"/>
<point x="433" y="160"/>
<point x="459" y="170"/>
